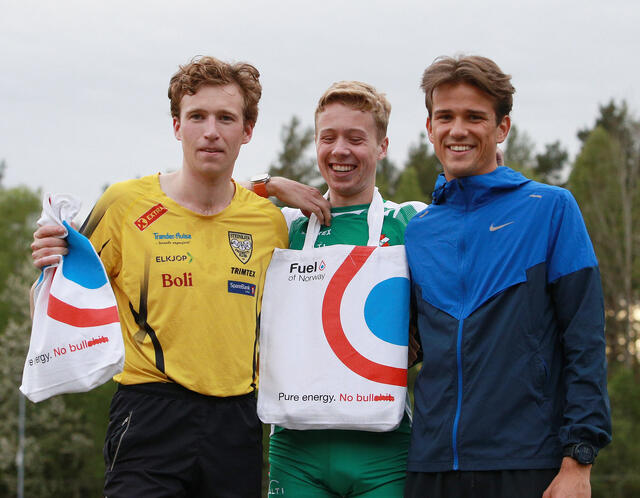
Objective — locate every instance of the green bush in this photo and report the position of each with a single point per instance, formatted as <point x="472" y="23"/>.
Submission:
<point x="615" y="473"/>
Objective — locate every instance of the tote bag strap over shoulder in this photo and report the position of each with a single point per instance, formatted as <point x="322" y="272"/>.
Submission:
<point x="325" y="362"/>
<point x="375" y="217"/>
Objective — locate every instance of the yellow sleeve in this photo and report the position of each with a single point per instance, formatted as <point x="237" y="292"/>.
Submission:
<point x="281" y="232"/>
<point x="103" y="228"/>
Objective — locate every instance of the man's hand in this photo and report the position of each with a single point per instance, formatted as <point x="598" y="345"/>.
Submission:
<point x="307" y="199"/>
<point x="571" y="482"/>
<point x="47" y="245"/>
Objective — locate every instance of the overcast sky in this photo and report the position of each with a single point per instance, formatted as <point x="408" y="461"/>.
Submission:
<point x="83" y="84"/>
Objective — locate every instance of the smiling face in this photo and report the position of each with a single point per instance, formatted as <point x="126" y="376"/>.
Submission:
<point x="348" y="150"/>
<point x="212" y="129"/>
<point x="463" y="130"/>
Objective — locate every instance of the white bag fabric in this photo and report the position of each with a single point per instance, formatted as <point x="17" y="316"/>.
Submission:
<point x="76" y="341"/>
<point x="334" y="334"/>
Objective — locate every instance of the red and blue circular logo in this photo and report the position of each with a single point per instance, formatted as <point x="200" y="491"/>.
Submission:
<point x="385" y="312"/>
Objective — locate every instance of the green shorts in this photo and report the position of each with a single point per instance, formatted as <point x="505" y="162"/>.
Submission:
<point x="326" y="463"/>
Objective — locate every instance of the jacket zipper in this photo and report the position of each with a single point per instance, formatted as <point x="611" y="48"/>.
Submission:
<point x="456" y="420"/>
<point x="459" y="404"/>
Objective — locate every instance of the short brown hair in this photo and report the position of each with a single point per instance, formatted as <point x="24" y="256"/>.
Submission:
<point x="475" y="70"/>
<point x="206" y="70"/>
<point x="362" y="97"/>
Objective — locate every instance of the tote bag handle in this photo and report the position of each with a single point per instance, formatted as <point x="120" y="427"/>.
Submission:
<point x="375" y="217"/>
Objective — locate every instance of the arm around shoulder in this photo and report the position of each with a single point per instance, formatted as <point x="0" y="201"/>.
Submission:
<point x="307" y="199"/>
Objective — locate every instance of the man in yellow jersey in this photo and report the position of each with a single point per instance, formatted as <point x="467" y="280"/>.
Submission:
<point x="186" y="253"/>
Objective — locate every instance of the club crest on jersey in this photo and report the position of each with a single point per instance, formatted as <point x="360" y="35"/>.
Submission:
<point x="241" y="245"/>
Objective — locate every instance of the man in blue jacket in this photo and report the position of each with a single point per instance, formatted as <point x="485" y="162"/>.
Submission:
<point x="511" y="400"/>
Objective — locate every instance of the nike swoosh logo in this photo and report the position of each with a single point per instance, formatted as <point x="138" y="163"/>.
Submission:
<point x="493" y="229"/>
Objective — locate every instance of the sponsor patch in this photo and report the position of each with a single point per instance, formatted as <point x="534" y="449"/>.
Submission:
<point x="184" y="280"/>
<point x="245" y="288"/>
<point x="243" y="271"/>
<point x="175" y="257"/>
<point x="172" y="238"/>
<point x="150" y="216"/>
<point x="241" y="245"/>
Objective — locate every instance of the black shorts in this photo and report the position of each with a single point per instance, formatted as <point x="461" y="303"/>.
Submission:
<point x="479" y="484"/>
<point x="166" y="441"/>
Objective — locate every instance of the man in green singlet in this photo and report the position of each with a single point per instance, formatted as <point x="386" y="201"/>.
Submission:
<point x="351" y="127"/>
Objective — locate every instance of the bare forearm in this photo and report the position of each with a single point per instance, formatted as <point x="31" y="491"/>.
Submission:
<point x="572" y="481"/>
<point x="294" y="194"/>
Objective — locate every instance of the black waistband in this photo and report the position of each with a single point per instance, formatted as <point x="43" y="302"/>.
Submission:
<point x="176" y="391"/>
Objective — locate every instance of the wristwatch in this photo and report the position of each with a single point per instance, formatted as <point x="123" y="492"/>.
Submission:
<point x="583" y="453"/>
<point x="259" y="184"/>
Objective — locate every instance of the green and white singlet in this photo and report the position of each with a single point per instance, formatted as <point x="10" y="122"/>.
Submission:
<point x="322" y="463"/>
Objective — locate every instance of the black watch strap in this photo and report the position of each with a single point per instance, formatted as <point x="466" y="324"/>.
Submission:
<point x="583" y="453"/>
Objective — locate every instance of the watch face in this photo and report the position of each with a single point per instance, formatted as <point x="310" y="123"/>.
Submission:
<point x="584" y="453"/>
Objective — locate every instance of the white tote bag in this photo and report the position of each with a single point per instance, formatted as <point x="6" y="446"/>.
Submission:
<point x="76" y="340"/>
<point x="334" y="334"/>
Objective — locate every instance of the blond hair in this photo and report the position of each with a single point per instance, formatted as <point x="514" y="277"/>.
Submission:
<point x="360" y="96"/>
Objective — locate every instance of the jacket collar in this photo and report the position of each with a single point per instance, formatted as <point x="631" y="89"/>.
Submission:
<point x="476" y="190"/>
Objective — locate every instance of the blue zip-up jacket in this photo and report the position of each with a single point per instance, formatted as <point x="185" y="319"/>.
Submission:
<point x="511" y="320"/>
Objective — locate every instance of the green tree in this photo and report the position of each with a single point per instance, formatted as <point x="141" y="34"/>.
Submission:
<point x="64" y="434"/>
<point x="547" y="166"/>
<point x="616" y="120"/>
<point x="519" y="152"/>
<point x="613" y="474"/>
<point x="418" y="178"/>
<point x="58" y="438"/>
<point x="386" y="177"/>
<point x="550" y="165"/>
<point x="20" y="207"/>
<point x="408" y="188"/>
<point x="294" y="159"/>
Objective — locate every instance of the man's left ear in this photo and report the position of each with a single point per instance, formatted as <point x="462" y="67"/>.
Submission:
<point x="503" y="129"/>
<point x="384" y="145"/>
<point x="248" y="132"/>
